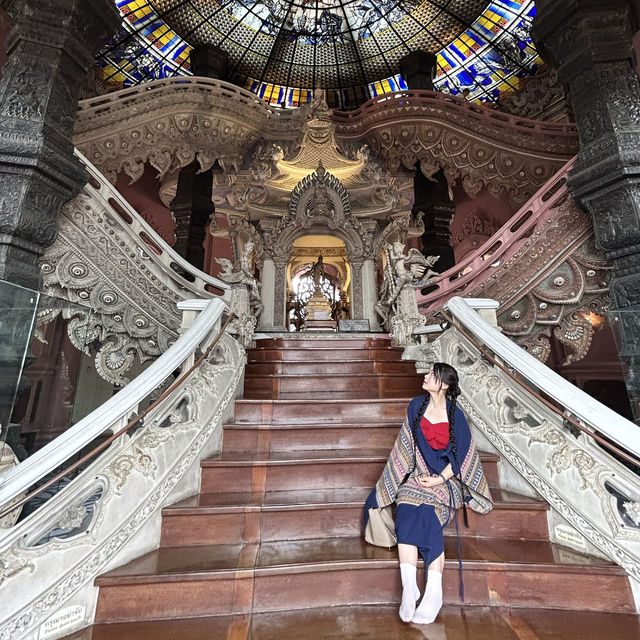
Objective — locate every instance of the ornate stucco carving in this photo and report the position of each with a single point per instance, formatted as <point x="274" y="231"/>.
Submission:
<point x="473" y="145"/>
<point x="171" y="123"/>
<point x="137" y="479"/>
<point x="576" y="476"/>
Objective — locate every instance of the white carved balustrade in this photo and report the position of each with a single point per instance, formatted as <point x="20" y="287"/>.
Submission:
<point x="110" y="512"/>
<point x="108" y="258"/>
<point x="595" y="499"/>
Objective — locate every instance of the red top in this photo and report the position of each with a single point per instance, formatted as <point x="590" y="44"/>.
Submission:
<point x="436" y="434"/>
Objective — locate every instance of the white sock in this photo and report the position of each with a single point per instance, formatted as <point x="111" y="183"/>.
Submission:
<point x="431" y="603"/>
<point x="410" y="591"/>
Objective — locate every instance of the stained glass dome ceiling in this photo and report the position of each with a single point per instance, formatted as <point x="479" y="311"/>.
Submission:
<point x="282" y="49"/>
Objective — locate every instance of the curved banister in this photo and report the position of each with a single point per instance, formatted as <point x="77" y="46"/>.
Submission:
<point x="158" y="249"/>
<point x="478" y="265"/>
<point x="20" y="478"/>
<point x="580" y="404"/>
<point x="480" y="112"/>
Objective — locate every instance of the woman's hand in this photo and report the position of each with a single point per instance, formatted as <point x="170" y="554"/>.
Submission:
<point x="429" y="482"/>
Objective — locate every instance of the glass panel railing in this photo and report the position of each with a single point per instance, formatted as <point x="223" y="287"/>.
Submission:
<point x="40" y="367"/>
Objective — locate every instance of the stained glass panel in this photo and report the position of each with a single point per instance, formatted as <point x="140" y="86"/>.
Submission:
<point x="283" y="49"/>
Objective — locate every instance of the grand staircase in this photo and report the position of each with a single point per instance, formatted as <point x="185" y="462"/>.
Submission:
<point x="271" y="547"/>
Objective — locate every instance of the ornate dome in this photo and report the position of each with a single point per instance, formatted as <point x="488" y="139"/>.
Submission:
<point x="283" y="49"/>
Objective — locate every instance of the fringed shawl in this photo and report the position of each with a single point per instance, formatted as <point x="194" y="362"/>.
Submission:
<point x="445" y="498"/>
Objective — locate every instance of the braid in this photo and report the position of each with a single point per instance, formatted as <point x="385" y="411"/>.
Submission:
<point x="453" y="392"/>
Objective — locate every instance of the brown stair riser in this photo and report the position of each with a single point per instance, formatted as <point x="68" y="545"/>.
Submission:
<point x="324" y="354"/>
<point x="283" y="477"/>
<point x="310" y="411"/>
<point x="306" y="438"/>
<point x="302" y="343"/>
<point x="334" y="368"/>
<point x="302" y="587"/>
<point x="371" y="384"/>
<point x="272" y="524"/>
<point x="286" y="476"/>
<point x="349" y="395"/>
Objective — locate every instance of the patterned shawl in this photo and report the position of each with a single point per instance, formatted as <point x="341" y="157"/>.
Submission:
<point x="445" y="498"/>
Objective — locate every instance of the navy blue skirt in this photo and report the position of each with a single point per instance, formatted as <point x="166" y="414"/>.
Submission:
<point x="420" y="527"/>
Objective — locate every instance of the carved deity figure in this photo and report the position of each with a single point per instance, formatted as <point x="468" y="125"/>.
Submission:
<point x="397" y="304"/>
<point x="317" y="272"/>
<point x="320" y="203"/>
<point x="243" y="278"/>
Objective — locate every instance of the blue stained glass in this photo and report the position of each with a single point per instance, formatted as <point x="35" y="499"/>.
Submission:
<point x="481" y="62"/>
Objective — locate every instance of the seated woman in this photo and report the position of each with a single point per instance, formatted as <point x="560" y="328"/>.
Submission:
<point x="433" y="470"/>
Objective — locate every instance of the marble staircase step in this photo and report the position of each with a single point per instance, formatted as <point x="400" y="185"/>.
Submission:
<point x="332" y="385"/>
<point x="292" y="437"/>
<point x="310" y="411"/>
<point x="323" y="369"/>
<point x="275" y="576"/>
<point x="213" y="518"/>
<point x="379" y="622"/>
<point x="236" y="471"/>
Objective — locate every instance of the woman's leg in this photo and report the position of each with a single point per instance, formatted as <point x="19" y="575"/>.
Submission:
<point x="431" y="603"/>
<point x="408" y="556"/>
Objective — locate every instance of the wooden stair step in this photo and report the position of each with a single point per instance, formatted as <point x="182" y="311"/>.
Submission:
<point x="274" y="576"/>
<point x="324" y="353"/>
<point x="293" y="515"/>
<point x="237" y="471"/>
<point x="379" y="622"/>
<point x="291" y="437"/>
<point x="311" y="411"/>
<point x="314" y="368"/>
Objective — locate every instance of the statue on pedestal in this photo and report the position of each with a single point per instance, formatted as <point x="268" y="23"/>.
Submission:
<point x="245" y="295"/>
<point x="397" y="305"/>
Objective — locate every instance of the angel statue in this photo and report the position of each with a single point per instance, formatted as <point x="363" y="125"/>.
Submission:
<point x="397" y="306"/>
<point x="245" y="294"/>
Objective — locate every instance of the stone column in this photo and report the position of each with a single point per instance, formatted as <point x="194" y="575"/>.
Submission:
<point x="432" y="199"/>
<point x="280" y="293"/>
<point x="192" y="209"/>
<point x="268" y="281"/>
<point x="357" y="310"/>
<point x="50" y="48"/>
<point x="370" y="294"/>
<point x="418" y="69"/>
<point x="590" y="44"/>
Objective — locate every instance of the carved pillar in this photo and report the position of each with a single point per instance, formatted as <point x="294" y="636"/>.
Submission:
<point x="279" y="293"/>
<point x="418" y="69"/>
<point x="209" y="61"/>
<point x="590" y="44"/>
<point x="50" y="47"/>
<point x="192" y="209"/>
<point x="432" y="199"/>
<point x="370" y="294"/>
<point x="357" y="310"/>
<point x="268" y="281"/>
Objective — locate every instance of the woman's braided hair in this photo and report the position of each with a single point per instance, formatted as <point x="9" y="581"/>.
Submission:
<point x="446" y="374"/>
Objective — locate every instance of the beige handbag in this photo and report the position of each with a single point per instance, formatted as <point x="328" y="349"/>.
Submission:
<point x="381" y="529"/>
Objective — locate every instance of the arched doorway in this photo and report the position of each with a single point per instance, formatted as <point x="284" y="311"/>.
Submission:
<point x="318" y="283"/>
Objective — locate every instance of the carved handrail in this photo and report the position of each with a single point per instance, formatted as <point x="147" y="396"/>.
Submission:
<point x="478" y="266"/>
<point x="176" y="268"/>
<point x="595" y="498"/>
<point x="107" y="256"/>
<point x="109" y="512"/>
<point x="349" y="121"/>
<point x="118" y="407"/>
<point x="580" y="404"/>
